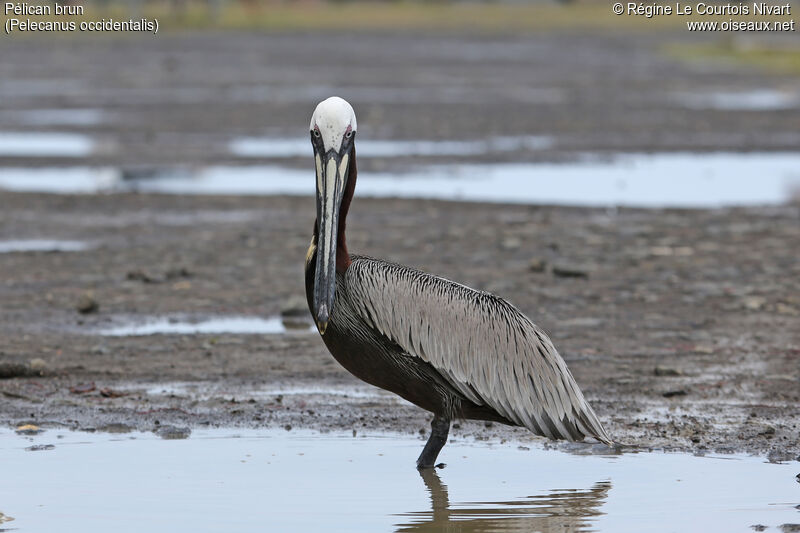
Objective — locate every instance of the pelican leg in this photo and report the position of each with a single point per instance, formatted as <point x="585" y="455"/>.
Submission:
<point x="440" y="427"/>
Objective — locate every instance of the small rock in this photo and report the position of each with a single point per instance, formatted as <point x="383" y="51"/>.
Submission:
<point x="758" y="527"/>
<point x="779" y="456"/>
<point x="87" y="304"/>
<point x="753" y="303"/>
<point x="14" y="370"/>
<point x="667" y="371"/>
<point x="287" y="427"/>
<point x="40" y="447"/>
<point x="99" y="350"/>
<point x="767" y="431"/>
<point x="116" y="427"/>
<point x="140" y="275"/>
<point x="537" y="265"/>
<point x="38" y="366"/>
<point x="703" y="348"/>
<point x="295" y="306"/>
<point x="789" y="528"/>
<point x="523" y="448"/>
<point x="511" y="243"/>
<point x="28" y="429"/>
<point x="673" y="393"/>
<point x="173" y="432"/>
<point x="566" y="271"/>
<point x="175" y="273"/>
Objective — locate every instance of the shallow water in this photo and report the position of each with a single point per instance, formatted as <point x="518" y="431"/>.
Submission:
<point x="44" y="144"/>
<point x="679" y="180"/>
<point x="59" y="180"/>
<point x="641" y="180"/>
<point x="205" y="390"/>
<point x="756" y="100"/>
<point x="267" y="147"/>
<point x="241" y="325"/>
<point x="42" y="245"/>
<point x="274" y="480"/>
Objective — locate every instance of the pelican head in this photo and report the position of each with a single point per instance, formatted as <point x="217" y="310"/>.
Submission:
<point x="333" y="130"/>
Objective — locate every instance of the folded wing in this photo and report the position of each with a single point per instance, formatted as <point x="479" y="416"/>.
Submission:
<point x="481" y="344"/>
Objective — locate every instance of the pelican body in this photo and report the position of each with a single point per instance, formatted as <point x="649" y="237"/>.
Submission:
<point x="452" y="350"/>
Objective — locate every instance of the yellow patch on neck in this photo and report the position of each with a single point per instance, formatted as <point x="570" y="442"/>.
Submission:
<point x="311" y="249"/>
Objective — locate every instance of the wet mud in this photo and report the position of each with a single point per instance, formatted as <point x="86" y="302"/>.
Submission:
<point x="679" y="325"/>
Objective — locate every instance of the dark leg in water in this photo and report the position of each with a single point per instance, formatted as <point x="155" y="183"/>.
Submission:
<point x="440" y="427"/>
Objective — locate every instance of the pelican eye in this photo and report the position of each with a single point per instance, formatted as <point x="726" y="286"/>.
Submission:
<point x="317" y="134"/>
<point x="348" y="134"/>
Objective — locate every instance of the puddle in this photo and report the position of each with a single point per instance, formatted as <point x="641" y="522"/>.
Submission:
<point x="276" y="480"/>
<point x="55" y="117"/>
<point x="265" y="147"/>
<point x="204" y="391"/>
<point x="758" y="100"/>
<point x="241" y="325"/>
<point x="661" y="180"/>
<point x="687" y="180"/>
<point x="35" y="144"/>
<point x="59" y="180"/>
<point x="42" y="245"/>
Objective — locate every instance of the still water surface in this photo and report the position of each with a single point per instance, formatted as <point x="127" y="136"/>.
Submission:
<point x="286" y="481"/>
<point x="642" y="180"/>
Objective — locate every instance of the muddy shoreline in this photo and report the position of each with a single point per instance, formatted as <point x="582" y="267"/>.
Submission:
<point x="679" y="325"/>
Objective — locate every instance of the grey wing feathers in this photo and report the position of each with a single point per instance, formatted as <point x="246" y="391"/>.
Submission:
<point x="482" y="345"/>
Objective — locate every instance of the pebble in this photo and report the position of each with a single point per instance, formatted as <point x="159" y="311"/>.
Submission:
<point x="567" y="271"/>
<point x="40" y="447"/>
<point x="140" y="275"/>
<point x="28" y="429"/>
<point x="87" y="304"/>
<point x="172" y="432"/>
<point x="38" y="366"/>
<point x="14" y="370"/>
<point x="116" y="427"/>
<point x="537" y="265"/>
<point x="667" y="371"/>
<point x="754" y="303"/>
<point x="673" y="393"/>
<point x="175" y="273"/>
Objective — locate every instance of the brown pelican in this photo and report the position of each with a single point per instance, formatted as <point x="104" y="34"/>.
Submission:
<point x="447" y="348"/>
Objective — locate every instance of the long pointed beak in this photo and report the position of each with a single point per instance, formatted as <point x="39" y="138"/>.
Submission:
<point x="331" y="181"/>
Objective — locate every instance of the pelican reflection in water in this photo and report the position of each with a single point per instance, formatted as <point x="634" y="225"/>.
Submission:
<point x="563" y="511"/>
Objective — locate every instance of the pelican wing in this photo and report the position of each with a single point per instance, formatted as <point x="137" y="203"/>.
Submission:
<point x="481" y="344"/>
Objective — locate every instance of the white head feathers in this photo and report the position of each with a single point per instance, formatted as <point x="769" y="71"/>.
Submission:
<point x="333" y="117"/>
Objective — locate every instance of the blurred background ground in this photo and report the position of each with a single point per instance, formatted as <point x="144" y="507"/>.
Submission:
<point x="680" y="324"/>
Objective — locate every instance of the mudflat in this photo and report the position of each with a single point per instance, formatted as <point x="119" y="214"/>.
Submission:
<point x="679" y="325"/>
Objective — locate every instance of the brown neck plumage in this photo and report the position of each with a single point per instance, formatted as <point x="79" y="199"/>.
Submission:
<point x="342" y="257"/>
